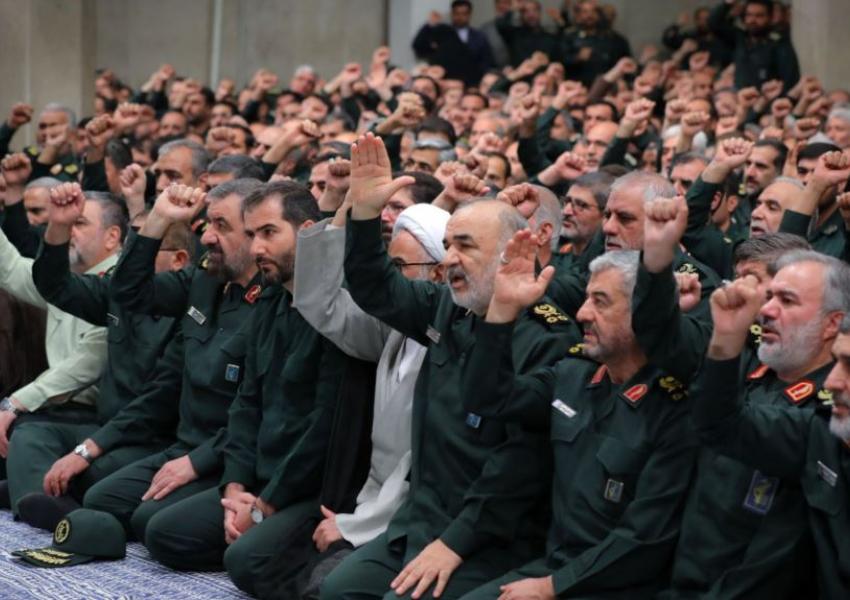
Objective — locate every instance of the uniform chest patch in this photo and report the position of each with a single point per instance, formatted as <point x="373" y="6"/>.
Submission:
<point x="761" y="493"/>
<point x="473" y="420"/>
<point x="564" y="408"/>
<point x="252" y="294"/>
<point x="432" y="334"/>
<point x="196" y="315"/>
<point x="613" y="490"/>
<point x="827" y="474"/>
<point x="231" y="373"/>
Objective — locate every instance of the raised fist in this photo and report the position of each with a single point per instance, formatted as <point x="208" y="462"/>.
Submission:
<point x="772" y="89"/>
<point x="381" y="55"/>
<point x="694" y="122"/>
<point x="690" y="290"/>
<point x="674" y="110"/>
<point x="698" y="61"/>
<point x="733" y="309"/>
<point x="351" y="73"/>
<point x="570" y="166"/>
<point x="20" y="115"/>
<point x="66" y="204"/>
<point x="448" y="169"/>
<point x="748" y="96"/>
<point x="664" y="224"/>
<point x="127" y="116"/>
<point x="57" y="135"/>
<point x="219" y="139"/>
<point x="132" y="181"/>
<point x="523" y="197"/>
<point x="639" y="111"/>
<point x="100" y="130"/>
<point x="733" y="152"/>
<point x="832" y="168"/>
<point x="179" y="203"/>
<point x="806" y="128"/>
<point x="17" y="169"/>
<point x="339" y="172"/>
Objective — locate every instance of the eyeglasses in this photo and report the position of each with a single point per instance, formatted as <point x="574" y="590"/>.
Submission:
<point x="400" y="264"/>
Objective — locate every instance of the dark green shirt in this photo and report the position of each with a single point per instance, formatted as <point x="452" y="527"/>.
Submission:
<point x="211" y="315"/>
<point x="475" y="483"/>
<point x="280" y="423"/>
<point x="135" y="341"/>
<point x="785" y="442"/>
<point x="830" y="238"/>
<point x="763" y="548"/>
<point x="623" y="458"/>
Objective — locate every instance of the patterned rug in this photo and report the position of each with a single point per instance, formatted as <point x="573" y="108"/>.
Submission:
<point x="135" y="577"/>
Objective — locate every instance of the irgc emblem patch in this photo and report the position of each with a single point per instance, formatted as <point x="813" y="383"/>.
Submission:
<point x="62" y="531"/>
<point x="613" y="491"/>
<point x="761" y="493"/>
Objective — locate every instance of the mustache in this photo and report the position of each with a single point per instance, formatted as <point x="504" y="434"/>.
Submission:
<point x="456" y="271"/>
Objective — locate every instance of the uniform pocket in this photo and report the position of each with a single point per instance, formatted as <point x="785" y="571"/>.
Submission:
<point x="819" y="493"/>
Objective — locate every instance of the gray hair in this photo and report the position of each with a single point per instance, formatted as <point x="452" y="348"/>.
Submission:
<point x="548" y="211"/>
<point x="599" y="185"/>
<point x="624" y="261"/>
<point x="790" y="180"/>
<point x="447" y="152"/>
<point x="844" y="328"/>
<point x="113" y="210"/>
<point x="306" y="68"/>
<point x="47" y="183"/>
<point x="836" y="291"/>
<point x="240" y="187"/>
<point x="200" y="156"/>
<point x="56" y="107"/>
<point x="652" y="185"/>
<point x="840" y="112"/>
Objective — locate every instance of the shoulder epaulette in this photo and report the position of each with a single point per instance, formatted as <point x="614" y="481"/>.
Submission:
<point x="253" y="293"/>
<point x="635" y="393"/>
<point x="758" y="373"/>
<point x="548" y="314"/>
<point x="800" y="391"/>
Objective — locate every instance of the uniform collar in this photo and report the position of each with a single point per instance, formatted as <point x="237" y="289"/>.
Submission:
<point x="103" y="266"/>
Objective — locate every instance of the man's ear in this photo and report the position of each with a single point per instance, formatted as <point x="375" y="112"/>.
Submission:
<point x="112" y="240"/>
<point x="306" y="224"/>
<point x="731" y="203"/>
<point x="544" y="234"/>
<point x="833" y="324"/>
<point x="437" y="273"/>
<point x="202" y="181"/>
<point x="179" y="260"/>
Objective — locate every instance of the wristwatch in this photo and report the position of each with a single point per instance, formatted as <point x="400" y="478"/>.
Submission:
<point x="7" y="406"/>
<point x="83" y="451"/>
<point x="257" y="515"/>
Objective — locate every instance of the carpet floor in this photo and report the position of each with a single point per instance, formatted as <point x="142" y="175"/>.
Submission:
<point x="134" y="578"/>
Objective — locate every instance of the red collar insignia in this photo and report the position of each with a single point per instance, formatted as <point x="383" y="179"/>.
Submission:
<point x="253" y="293"/>
<point x="636" y="392"/>
<point x="599" y="375"/>
<point x="759" y="372"/>
<point x="800" y="391"/>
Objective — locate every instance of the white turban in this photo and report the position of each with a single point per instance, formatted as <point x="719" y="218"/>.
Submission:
<point x="427" y="224"/>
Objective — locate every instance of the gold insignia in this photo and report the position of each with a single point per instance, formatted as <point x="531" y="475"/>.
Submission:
<point x="56" y="169"/>
<point x="825" y="396"/>
<point x="46" y="558"/>
<point x="62" y="531"/>
<point x="71" y="169"/>
<point x="32" y="150"/>
<point x="204" y="263"/>
<point x="673" y="387"/>
<point x="756" y="331"/>
<point x="549" y="314"/>
<point x="577" y="349"/>
<point x="687" y="268"/>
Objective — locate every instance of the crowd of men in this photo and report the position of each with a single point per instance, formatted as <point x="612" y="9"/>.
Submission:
<point x="533" y="320"/>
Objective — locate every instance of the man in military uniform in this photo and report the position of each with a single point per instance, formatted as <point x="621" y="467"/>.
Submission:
<point x="76" y="349"/>
<point x="759" y="54"/>
<point x="51" y="465"/>
<point x="814" y="214"/>
<point x="584" y="205"/>
<point x="527" y="36"/>
<point x="591" y="48"/>
<point x="805" y="447"/>
<point x="472" y="517"/>
<point x="53" y="153"/>
<point x="280" y="421"/>
<point x="763" y="544"/>
<point x="622" y="443"/>
<point x="212" y="302"/>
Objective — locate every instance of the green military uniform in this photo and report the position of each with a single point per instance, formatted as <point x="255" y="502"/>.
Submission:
<point x="277" y="438"/>
<point x="829" y="238"/>
<point x="571" y="274"/>
<point x="135" y="342"/>
<point x="704" y="240"/>
<point x="475" y="482"/>
<point x="67" y="167"/>
<point x="607" y="47"/>
<point x="209" y="355"/>
<point x="623" y="456"/>
<point x="764" y="548"/>
<point x="786" y="442"/>
<point x="674" y="341"/>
